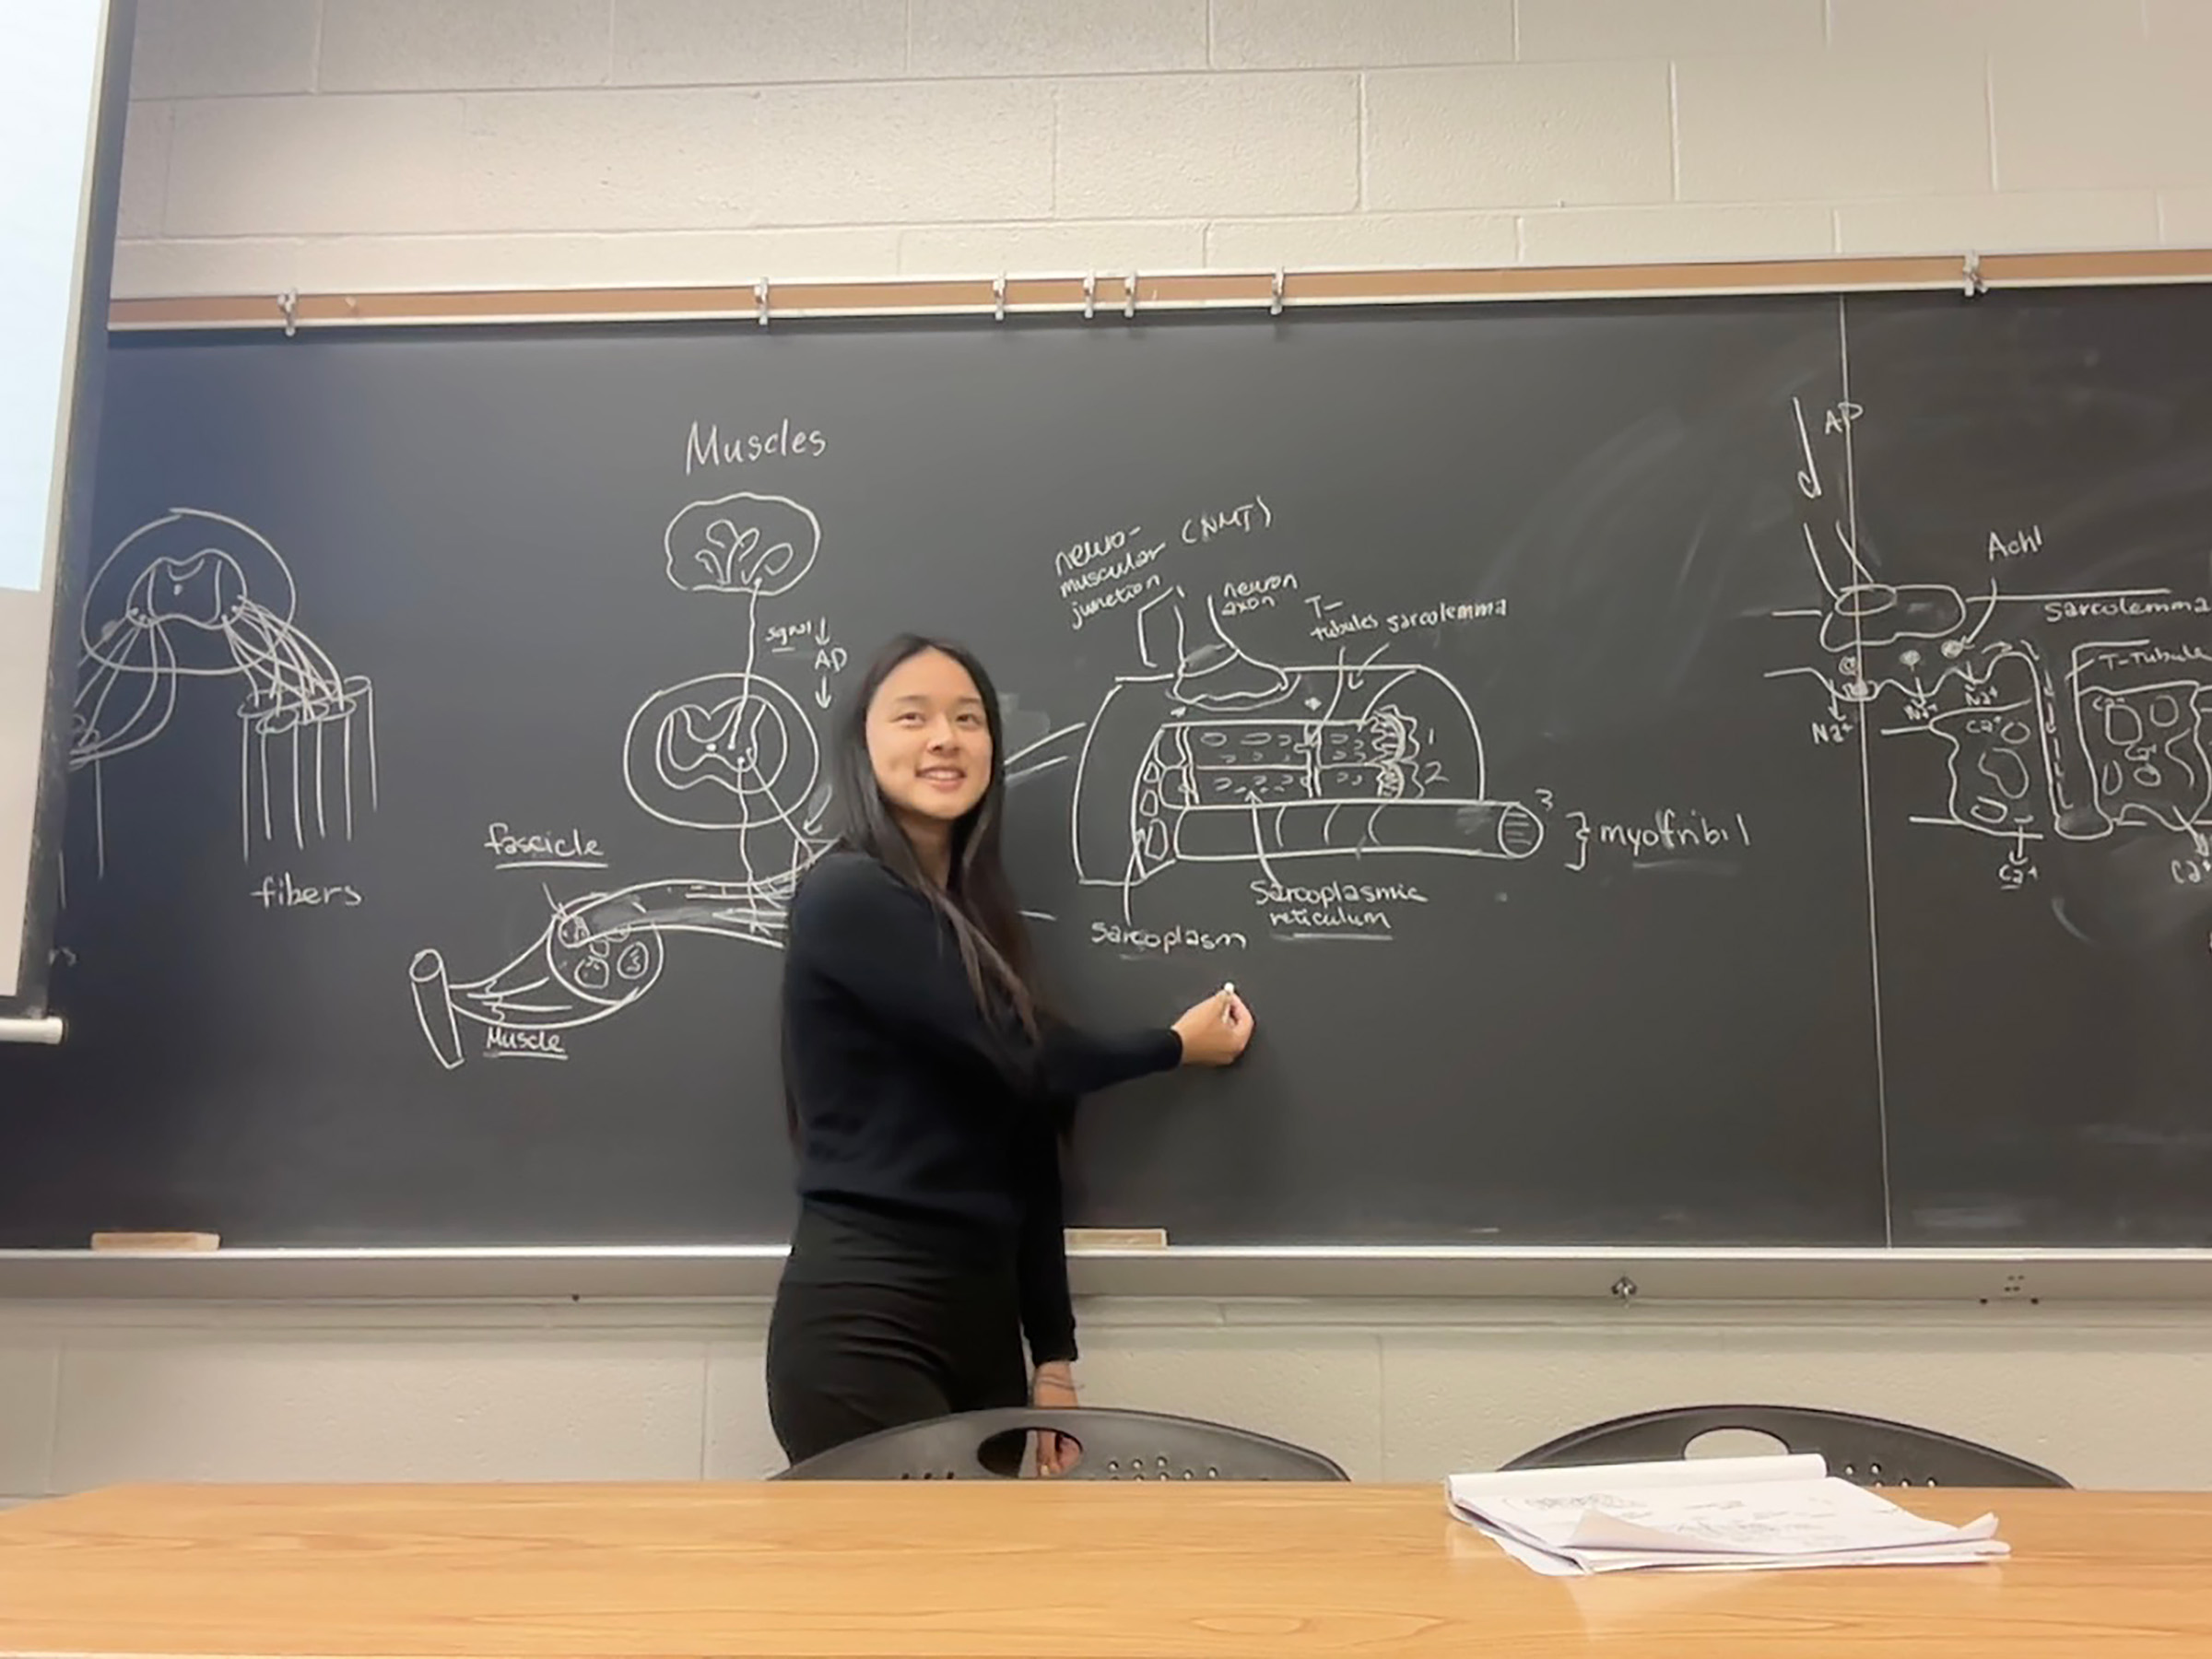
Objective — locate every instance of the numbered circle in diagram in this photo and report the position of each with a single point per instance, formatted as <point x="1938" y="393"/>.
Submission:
<point x="724" y="752"/>
<point x="606" y="961"/>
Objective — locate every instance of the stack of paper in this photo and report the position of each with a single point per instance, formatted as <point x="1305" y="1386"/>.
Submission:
<point x="1724" y="1512"/>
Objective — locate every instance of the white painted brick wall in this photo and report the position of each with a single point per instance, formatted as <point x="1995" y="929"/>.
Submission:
<point x="393" y="144"/>
<point x="1519" y="136"/>
<point x="753" y="42"/>
<point x="1048" y="37"/>
<point x="1360" y="34"/>
<point x="401" y="46"/>
<point x="94" y="1395"/>
<point x="1133" y="146"/>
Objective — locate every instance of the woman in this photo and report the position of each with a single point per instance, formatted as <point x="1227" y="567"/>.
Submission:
<point x="926" y="1085"/>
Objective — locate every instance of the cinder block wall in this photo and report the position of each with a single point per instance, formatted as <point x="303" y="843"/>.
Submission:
<point x="378" y="144"/>
<point x="366" y="144"/>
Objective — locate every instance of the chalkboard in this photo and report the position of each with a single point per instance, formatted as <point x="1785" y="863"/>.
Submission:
<point x="1680" y="772"/>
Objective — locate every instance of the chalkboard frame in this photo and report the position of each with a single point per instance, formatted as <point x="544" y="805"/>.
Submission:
<point x="1968" y="1277"/>
<point x="1957" y="1275"/>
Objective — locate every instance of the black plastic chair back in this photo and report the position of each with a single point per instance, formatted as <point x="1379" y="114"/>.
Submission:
<point x="1866" y="1451"/>
<point x="1116" y="1445"/>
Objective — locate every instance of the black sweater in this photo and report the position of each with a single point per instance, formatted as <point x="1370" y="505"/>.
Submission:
<point x="911" y="1103"/>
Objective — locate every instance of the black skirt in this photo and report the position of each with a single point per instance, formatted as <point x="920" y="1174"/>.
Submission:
<point x="880" y="1321"/>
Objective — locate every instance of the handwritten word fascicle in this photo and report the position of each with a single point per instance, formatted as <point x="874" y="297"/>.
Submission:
<point x="568" y="847"/>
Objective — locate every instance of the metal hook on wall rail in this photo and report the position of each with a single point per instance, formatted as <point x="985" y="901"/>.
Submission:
<point x="1173" y="290"/>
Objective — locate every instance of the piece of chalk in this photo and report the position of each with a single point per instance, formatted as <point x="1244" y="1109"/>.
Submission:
<point x="1080" y="1239"/>
<point x="157" y="1240"/>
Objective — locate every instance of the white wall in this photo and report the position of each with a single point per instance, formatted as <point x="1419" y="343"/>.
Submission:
<point x="364" y="144"/>
<point x="94" y="1395"/>
<point x="369" y="143"/>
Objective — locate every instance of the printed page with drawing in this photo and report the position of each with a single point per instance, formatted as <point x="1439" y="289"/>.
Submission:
<point x="1741" y="1512"/>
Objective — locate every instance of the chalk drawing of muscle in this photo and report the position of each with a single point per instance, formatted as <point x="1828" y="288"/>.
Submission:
<point x="732" y="753"/>
<point x="1216" y="755"/>
<point x="194" y="597"/>
<point x="2036" y="746"/>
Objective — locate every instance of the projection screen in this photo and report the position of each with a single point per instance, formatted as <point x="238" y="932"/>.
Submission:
<point x="64" y="91"/>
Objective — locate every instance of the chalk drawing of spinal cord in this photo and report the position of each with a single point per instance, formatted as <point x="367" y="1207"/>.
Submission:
<point x="1215" y="755"/>
<point x="2036" y="748"/>
<point x="193" y="596"/>
<point x="732" y="753"/>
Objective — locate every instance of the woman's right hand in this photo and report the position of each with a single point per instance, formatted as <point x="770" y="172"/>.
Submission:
<point x="1216" y="1031"/>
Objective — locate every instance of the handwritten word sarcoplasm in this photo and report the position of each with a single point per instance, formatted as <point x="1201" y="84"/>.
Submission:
<point x="708" y="447"/>
<point x="1162" y="941"/>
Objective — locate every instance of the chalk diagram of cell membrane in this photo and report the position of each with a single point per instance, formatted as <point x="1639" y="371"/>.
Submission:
<point x="1217" y="756"/>
<point x="733" y="753"/>
<point x="2034" y="751"/>
<point x="195" y="595"/>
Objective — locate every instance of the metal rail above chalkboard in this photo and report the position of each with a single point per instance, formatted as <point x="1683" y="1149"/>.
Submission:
<point x="1130" y="294"/>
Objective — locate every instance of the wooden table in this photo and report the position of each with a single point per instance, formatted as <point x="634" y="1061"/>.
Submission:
<point x="1045" y="1569"/>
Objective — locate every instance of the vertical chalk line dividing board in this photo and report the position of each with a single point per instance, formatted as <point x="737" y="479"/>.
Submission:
<point x="1708" y="792"/>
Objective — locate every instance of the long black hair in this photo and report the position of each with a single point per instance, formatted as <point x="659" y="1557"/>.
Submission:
<point x="977" y="899"/>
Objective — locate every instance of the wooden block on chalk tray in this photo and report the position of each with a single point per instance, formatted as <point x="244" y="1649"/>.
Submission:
<point x="157" y="1240"/>
<point x="1117" y="1237"/>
